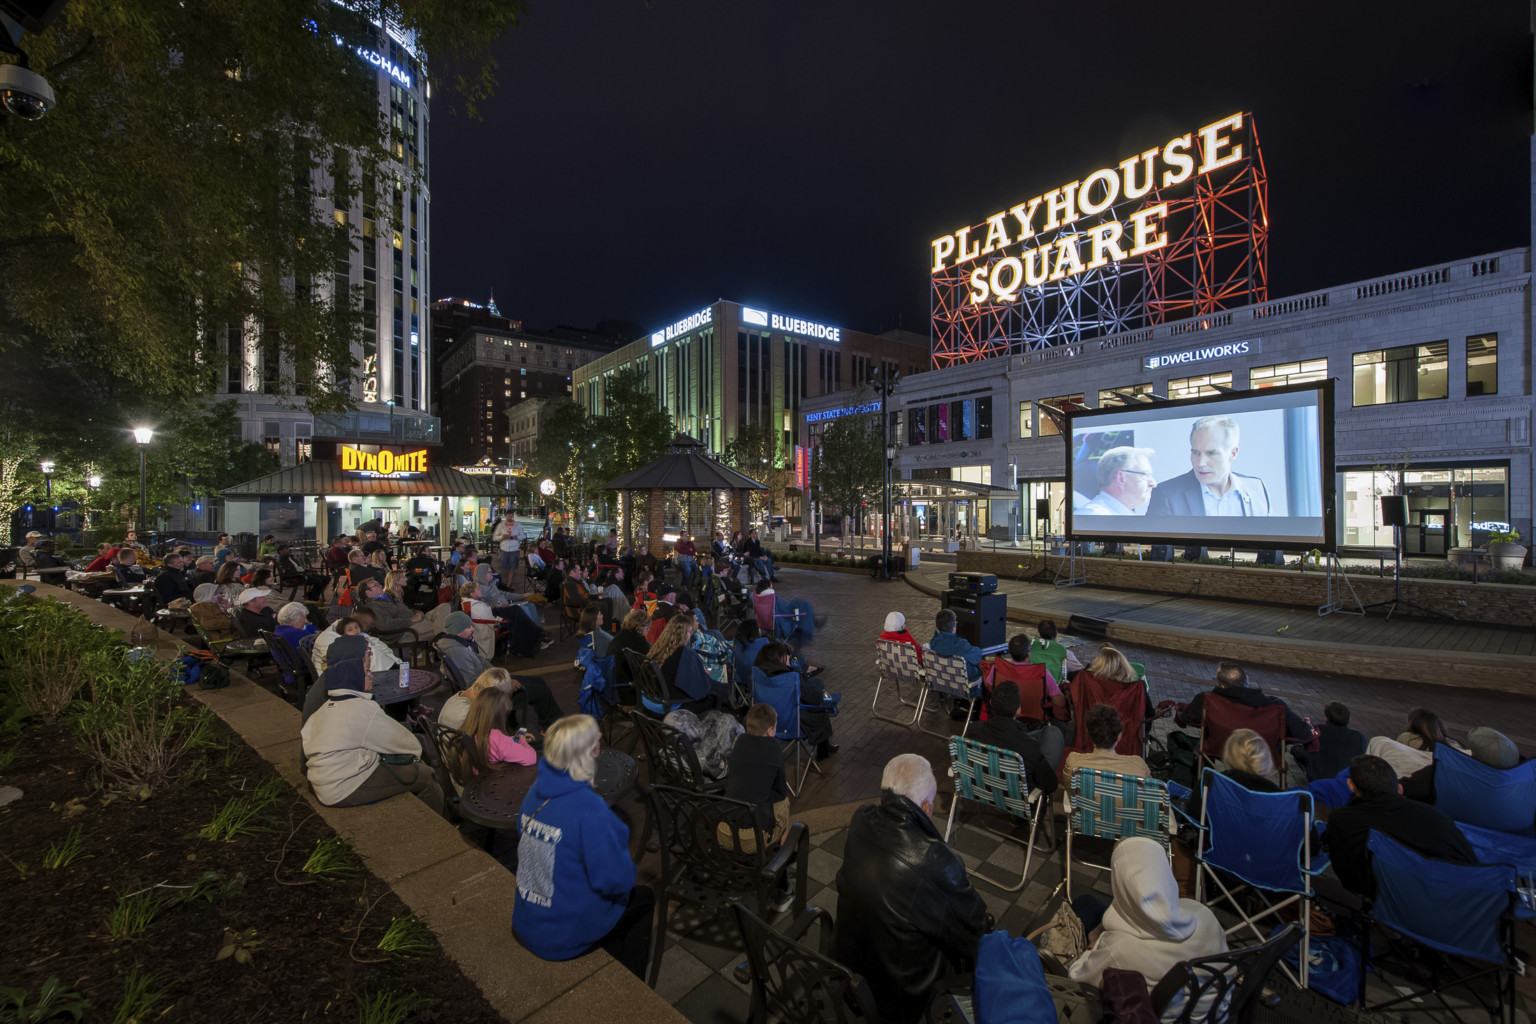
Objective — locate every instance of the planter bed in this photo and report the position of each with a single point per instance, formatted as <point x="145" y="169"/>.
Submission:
<point x="233" y="928"/>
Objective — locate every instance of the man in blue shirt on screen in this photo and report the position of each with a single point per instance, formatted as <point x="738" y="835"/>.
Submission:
<point x="1211" y="488"/>
<point x="1125" y="483"/>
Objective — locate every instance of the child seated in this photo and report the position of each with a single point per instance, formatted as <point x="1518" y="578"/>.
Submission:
<point x="756" y="776"/>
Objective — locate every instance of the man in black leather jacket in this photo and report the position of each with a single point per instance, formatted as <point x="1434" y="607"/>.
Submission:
<point x="906" y="913"/>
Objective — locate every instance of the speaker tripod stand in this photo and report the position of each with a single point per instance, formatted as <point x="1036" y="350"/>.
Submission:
<point x="1397" y="604"/>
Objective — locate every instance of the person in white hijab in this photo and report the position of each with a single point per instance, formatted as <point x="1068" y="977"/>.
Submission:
<point x="1147" y="927"/>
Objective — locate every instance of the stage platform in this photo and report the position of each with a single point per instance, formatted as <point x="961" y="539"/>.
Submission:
<point x="1287" y="636"/>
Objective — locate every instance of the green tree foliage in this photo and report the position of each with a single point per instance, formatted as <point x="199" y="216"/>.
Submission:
<point x="758" y="452"/>
<point x="851" y="466"/>
<point x="172" y="189"/>
<point x="567" y="454"/>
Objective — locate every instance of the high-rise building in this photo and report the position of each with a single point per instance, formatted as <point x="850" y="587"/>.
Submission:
<point x="488" y="364"/>
<point x="391" y="387"/>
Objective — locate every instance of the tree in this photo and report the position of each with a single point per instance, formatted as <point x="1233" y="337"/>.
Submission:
<point x="850" y="468"/>
<point x="567" y="454"/>
<point x="758" y="452"/>
<point x="173" y="187"/>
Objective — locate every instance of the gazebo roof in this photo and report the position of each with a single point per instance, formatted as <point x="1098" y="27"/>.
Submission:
<point x="685" y="468"/>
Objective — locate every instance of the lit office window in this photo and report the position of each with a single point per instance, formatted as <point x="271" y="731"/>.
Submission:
<point x="1198" y="387"/>
<point x="1411" y="373"/>
<point x="1280" y="374"/>
<point x="1109" y="398"/>
<point x="1062" y="403"/>
<point x="1026" y="419"/>
<point x="1482" y="365"/>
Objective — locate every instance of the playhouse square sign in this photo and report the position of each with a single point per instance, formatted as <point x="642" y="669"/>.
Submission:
<point x="1080" y="226"/>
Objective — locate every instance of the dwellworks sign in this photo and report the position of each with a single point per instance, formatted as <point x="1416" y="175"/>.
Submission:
<point x="1200" y="355"/>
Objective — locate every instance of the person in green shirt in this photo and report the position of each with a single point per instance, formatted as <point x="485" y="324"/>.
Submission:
<point x="1046" y="650"/>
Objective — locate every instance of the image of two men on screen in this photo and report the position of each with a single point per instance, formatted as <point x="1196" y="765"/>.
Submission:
<point x="1128" y="484"/>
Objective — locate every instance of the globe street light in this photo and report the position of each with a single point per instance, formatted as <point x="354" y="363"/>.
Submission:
<point x="47" y="467"/>
<point x="143" y="435"/>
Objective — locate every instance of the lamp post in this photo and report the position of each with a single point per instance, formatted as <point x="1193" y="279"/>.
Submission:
<point x="143" y="435"/>
<point x="47" y="468"/>
<point x="92" y="483"/>
<point x="886" y="382"/>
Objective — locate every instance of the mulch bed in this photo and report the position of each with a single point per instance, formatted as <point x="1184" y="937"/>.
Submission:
<point x="308" y="935"/>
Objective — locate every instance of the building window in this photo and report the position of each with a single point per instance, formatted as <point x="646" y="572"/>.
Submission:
<point x="303" y="450"/>
<point x="1412" y="373"/>
<point x="1482" y="365"/>
<point x="983" y="418"/>
<point x="1288" y="373"/>
<point x="273" y="445"/>
<point x="1062" y="403"/>
<point x="1198" y="387"/>
<point x="1026" y="419"/>
<point x="1108" y="398"/>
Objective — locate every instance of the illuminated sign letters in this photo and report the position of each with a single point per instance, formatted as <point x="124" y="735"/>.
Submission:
<point x="702" y="318"/>
<point x="382" y="463"/>
<point x="1060" y="233"/>
<point x="1199" y="355"/>
<point x="790" y="325"/>
<point x="381" y="62"/>
<point x="847" y="410"/>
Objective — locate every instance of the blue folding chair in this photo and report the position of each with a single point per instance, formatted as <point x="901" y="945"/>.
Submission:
<point x="990" y="775"/>
<point x="1261" y="840"/>
<point x="1472" y="792"/>
<point x="1465" y="911"/>
<point x="1108" y="805"/>
<point x="782" y="693"/>
<point x="948" y="680"/>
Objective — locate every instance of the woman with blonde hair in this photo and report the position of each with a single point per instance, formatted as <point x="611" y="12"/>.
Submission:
<point x="1249" y="763"/>
<point x="1112" y="666"/>
<point x="576" y="888"/>
<point x="681" y="667"/>
<point x="456" y="708"/>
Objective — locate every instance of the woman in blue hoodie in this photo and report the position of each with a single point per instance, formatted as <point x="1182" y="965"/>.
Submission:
<point x="576" y="887"/>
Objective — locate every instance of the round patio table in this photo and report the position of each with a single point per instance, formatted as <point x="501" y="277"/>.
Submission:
<point x="245" y="648"/>
<point x="421" y="680"/>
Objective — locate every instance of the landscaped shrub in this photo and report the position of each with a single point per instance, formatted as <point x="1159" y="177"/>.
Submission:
<point x="45" y="647"/>
<point x="136" y="723"/>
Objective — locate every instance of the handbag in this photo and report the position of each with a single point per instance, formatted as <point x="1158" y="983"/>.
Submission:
<point x="1062" y="936"/>
<point x="1124" y="998"/>
<point x="143" y="632"/>
<point x="392" y="761"/>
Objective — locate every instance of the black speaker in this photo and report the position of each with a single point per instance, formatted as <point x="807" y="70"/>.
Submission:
<point x="981" y="619"/>
<point x="1394" y="510"/>
<point x="1042" y="508"/>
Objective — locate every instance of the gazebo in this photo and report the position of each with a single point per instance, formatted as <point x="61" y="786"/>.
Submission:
<point x="688" y="469"/>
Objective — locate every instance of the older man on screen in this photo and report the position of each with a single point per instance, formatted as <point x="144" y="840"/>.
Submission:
<point x="1211" y="488"/>
<point x="1125" y="483"/>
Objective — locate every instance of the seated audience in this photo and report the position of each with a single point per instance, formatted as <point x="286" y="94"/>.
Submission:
<point x="487" y="636"/>
<point x="1147" y="927"/>
<point x="344" y="737"/>
<point x="252" y="613"/>
<point x="1046" y="650"/>
<point x="896" y="631"/>
<point x="456" y="708"/>
<point x="794" y="619"/>
<point x="1338" y="744"/>
<point x="392" y="618"/>
<point x="773" y="661"/>
<point x="756" y="776"/>
<point x="1232" y="684"/>
<point x="950" y="644"/>
<point x="227" y="579"/>
<point x="170" y="585"/>
<point x="687" y="557"/>
<point x="1111" y="666"/>
<point x="103" y="560"/>
<point x="630" y="636"/>
<point x="1414" y="749"/>
<point x="1014" y="664"/>
<point x="294" y="572"/>
<point x="386" y="667"/>
<point x="681" y="668"/>
<point x="210" y="610"/>
<point x="486" y="724"/>
<point x="203" y="571"/>
<point x="906" y="913"/>
<point x="293" y="623"/>
<point x="1104" y="728"/>
<point x="456" y="646"/>
<point x="1378" y="803"/>
<point x="590" y="632"/>
<point x="1039" y="748"/>
<point x="745" y="646"/>
<point x="127" y="569"/>
<point x="576" y="888"/>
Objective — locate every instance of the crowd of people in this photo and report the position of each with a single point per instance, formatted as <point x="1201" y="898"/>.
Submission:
<point x="737" y="700"/>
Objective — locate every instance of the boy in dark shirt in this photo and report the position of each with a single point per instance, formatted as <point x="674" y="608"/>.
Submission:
<point x="1337" y="744"/>
<point x="756" y="776"/>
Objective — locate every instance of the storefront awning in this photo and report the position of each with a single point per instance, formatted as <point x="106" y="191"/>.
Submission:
<point x="323" y="478"/>
<point x="943" y="489"/>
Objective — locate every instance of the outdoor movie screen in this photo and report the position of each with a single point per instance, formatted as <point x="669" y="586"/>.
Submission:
<point x="1251" y="468"/>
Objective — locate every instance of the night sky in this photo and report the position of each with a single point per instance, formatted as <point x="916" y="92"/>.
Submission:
<point x="638" y="163"/>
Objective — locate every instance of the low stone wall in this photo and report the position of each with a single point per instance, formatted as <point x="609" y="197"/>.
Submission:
<point x="1492" y="603"/>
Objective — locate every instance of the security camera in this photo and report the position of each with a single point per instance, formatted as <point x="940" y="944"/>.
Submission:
<point x="24" y="93"/>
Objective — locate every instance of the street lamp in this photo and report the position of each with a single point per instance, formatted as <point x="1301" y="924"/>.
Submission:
<point x="143" y="435"/>
<point x="885" y="384"/>
<point x="47" y="467"/>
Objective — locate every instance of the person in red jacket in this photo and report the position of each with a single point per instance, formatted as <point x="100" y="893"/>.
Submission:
<point x="896" y="629"/>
